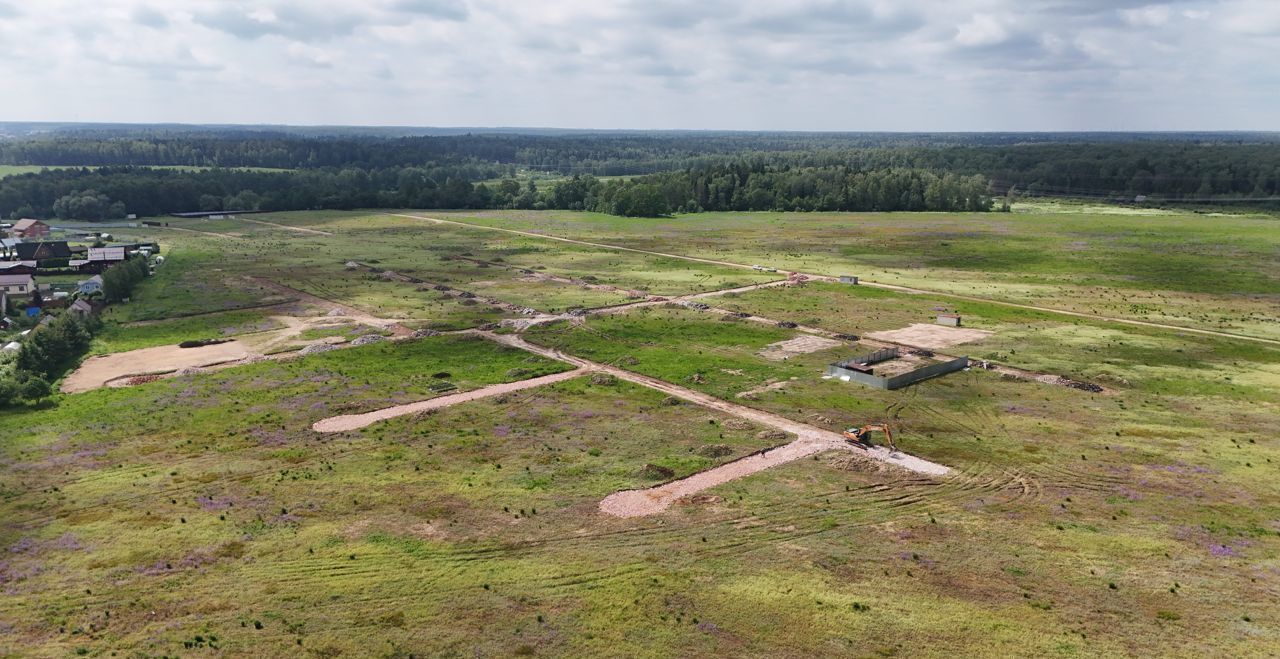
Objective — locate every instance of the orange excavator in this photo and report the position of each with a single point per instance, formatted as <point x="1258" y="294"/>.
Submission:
<point x="863" y="435"/>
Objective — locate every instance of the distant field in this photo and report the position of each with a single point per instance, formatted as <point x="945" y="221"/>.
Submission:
<point x="11" y="170"/>
<point x="1220" y="272"/>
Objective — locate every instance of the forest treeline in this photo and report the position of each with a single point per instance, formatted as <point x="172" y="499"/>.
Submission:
<point x="111" y="192"/>
<point x="115" y="170"/>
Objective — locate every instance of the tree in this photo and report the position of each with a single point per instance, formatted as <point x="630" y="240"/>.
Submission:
<point x="34" y="388"/>
<point x="86" y="205"/>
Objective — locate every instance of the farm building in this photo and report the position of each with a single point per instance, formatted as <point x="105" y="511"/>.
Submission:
<point x="17" y="284"/>
<point x="848" y="279"/>
<point x="949" y="319"/>
<point x="28" y="229"/>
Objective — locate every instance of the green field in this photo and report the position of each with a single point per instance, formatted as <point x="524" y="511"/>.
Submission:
<point x="1219" y="272"/>
<point x="200" y="514"/>
<point x="12" y="170"/>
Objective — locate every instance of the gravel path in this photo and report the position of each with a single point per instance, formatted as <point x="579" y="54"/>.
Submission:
<point x="356" y="421"/>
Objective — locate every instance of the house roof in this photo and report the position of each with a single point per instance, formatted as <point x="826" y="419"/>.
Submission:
<point x="9" y="280"/>
<point x="56" y="249"/>
<point x="5" y="265"/>
<point x="97" y="279"/>
<point x="106" y="253"/>
<point x="23" y="225"/>
<point x="81" y="305"/>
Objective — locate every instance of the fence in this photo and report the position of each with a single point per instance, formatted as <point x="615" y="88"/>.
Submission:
<point x="898" y="381"/>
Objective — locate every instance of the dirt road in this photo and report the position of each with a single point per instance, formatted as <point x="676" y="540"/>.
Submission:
<point x="316" y="232"/>
<point x="804" y="431"/>
<point x="864" y="282"/>
<point x="638" y="503"/>
<point x="356" y="421"/>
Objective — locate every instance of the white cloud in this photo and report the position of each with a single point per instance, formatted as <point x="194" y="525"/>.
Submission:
<point x="1150" y="16"/>
<point x="982" y="30"/>
<point x="749" y="64"/>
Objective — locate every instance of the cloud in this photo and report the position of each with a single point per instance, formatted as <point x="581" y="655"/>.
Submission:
<point x="451" y="10"/>
<point x="767" y="64"/>
<point x="1149" y="16"/>
<point x="287" y="20"/>
<point x="311" y="56"/>
<point x="1252" y="18"/>
<point x="982" y="30"/>
<point x="150" y="17"/>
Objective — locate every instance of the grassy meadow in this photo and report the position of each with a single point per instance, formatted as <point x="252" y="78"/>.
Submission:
<point x="1213" y="272"/>
<point x="200" y="515"/>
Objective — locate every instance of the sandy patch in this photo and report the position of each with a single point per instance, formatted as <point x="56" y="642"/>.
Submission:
<point x="764" y="388"/>
<point x="934" y="337"/>
<point x="800" y="345"/>
<point x="98" y="371"/>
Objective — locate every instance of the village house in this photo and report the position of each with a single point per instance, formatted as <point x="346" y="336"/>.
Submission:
<point x="99" y="259"/>
<point x="40" y="251"/>
<point x="17" y="267"/>
<point x="90" y="286"/>
<point x="17" y="284"/>
<point x="29" y="229"/>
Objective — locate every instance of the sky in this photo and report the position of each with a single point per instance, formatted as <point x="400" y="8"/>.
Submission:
<point x="822" y="65"/>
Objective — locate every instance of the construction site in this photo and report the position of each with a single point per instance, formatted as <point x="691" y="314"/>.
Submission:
<point x="331" y="414"/>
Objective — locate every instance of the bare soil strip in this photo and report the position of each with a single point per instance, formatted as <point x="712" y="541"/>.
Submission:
<point x="347" y="310"/>
<point x="638" y="503"/>
<point x="233" y="236"/>
<point x="98" y="371"/>
<point x="865" y="282"/>
<point x="804" y="431"/>
<point x="931" y="337"/>
<point x="356" y="421"/>
<point x="316" y="232"/>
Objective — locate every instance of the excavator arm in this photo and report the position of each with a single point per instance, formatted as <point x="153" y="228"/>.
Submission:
<point x="862" y="435"/>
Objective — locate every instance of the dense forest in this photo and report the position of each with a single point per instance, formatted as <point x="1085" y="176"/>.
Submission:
<point x="140" y="170"/>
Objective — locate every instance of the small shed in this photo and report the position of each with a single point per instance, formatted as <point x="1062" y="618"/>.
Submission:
<point x="949" y="319"/>
<point x="80" y="308"/>
<point x="848" y="279"/>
